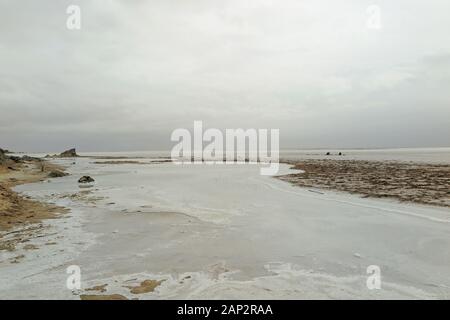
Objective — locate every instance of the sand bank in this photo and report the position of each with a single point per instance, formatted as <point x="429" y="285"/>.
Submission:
<point x="17" y="212"/>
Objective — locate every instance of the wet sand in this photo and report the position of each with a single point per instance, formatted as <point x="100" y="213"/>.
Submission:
<point x="409" y="182"/>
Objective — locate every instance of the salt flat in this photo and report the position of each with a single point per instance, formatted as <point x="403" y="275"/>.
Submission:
<point x="225" y="231"/>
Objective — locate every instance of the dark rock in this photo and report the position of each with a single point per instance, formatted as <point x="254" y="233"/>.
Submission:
<point x="85" y="179"/>
<point x="15" y="159"/>
<point x="57" y="174"/>
<point x="4" y="159"/>
<point x="340" y="153"/>
<point x="328" y="153"/>
<point x="28" y="158"/>
<point x="71" y="153"/>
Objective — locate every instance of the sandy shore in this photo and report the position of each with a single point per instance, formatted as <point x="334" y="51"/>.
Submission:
<point x="18" y="212"/>
<point x="411" y="182"/>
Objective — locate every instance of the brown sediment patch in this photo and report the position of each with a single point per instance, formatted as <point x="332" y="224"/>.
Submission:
<point x="113" y="157"/>
<point x="101" y="288"/>
<point x="145" y="286"/>
<point x="119" y="162"/>
<point x="102" y="297"/>
<point x="9" y="240"/>
<point x="411" y="182"/>
<point x="17" y="259"/>
<point x="30" y="247"/>
<point x="132" y="162"/>
<point x="125" y="157"/>
<point x="84" y="195"/>
<point x="7" y="245"/>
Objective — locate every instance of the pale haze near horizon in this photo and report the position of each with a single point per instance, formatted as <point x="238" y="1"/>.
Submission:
<point x="137" y="70"/>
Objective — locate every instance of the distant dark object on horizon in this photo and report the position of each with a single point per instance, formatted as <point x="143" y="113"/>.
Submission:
<point x="71" y="153"/>
<point x="339" y="154"/>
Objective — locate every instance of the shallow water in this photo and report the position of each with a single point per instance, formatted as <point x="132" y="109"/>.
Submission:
<point x="225" y="231"/>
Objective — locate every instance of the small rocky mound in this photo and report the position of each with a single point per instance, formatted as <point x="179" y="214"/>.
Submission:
<point x="5" y="159"/>
<point x="15" y="159"/>
<point x="28" y="158"/>
<point x="71" y="153"/>
<point x="57" y="174"/>
<point x="85" y="179"/>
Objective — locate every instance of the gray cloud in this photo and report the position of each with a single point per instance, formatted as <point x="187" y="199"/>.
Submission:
<point x="139" y="69"/>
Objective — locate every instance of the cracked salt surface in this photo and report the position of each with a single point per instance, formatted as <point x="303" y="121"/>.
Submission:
<point x="224" y="231"/>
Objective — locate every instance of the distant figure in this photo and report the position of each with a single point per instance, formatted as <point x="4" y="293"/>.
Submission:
<point x="328" y="153"/>
<point x="340" y="153"/>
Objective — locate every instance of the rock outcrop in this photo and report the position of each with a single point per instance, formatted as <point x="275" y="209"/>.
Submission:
<point x="5" y="159"/>
<point x="28" y="158"/>
<point x="71" y="153"/>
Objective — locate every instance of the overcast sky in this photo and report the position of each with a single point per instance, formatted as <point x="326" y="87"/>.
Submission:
<point x="137" y="70"/>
